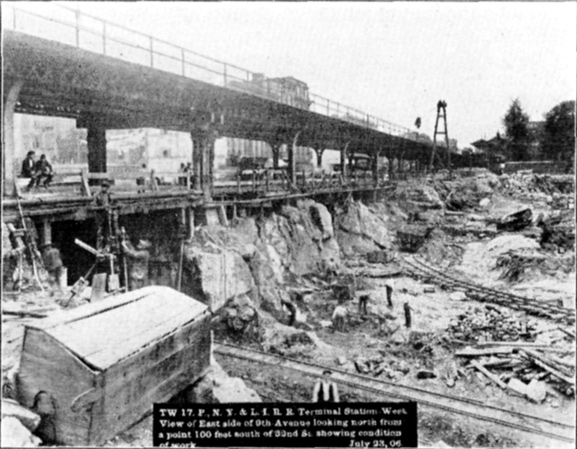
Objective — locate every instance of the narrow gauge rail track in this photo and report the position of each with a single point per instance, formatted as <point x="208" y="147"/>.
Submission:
<point x="388" y="390"/>
<point x="418" y="269"/>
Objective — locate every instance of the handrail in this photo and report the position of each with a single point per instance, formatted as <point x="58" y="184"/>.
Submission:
<point x="317" y="103"/>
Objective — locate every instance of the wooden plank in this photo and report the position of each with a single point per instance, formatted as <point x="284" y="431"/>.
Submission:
<point x="489" y="375"/>
<point x="88" y="310"/>
<point x="546" y="364"/>
<point x="129" y="369"/>
<point x="92" y="175"/>
<point x="517" y="344"/>
<point x="125" y="330"/>
<point x="48" y="366"/>
<point x="98" y="287"/>
<point x="472" y="352"/>
<point x="127" y="395"/>
<point x="173" y="381"/>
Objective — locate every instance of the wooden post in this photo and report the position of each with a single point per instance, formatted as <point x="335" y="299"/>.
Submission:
<point x="153" y="182"/>
<point x="96" y="140"/>
<point x="191" y="223"/>
<point x="98" y="287"/>
<point x="85" y="186"/>
<point x="292" y="160"/>
<point x="222" y="216"/>
<point x="407" y="309"/>
<point x="343" y="153"/>
<point x="275" y="148"/>
<point x="46" y="231"/>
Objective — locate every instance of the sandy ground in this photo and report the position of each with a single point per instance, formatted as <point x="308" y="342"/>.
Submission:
<point x="432" y="313"/>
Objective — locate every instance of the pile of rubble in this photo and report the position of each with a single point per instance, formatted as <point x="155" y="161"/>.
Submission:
<point x="18" y="424"/>
<point x="378" y="366"/>
<point x="526" y="264"/>
<point x="466" y="192"/>
<point x="558" y="231"/>
<point x="491" y="323"/>
<point x="524" y="369"/>
<point x="524" y="182"/>
<point x="518" y="355"/>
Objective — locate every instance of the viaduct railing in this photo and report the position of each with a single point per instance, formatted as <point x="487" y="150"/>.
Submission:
<point x="70" y="26"/>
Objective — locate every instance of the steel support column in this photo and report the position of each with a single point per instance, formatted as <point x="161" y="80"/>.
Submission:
<point x="203" y="134"/>
<point x="375" y="167"/>
<point x="96" y="140"/>
<point x="203" y="160"/>
<point x="9" y="100"/>
<point x="291" y="158"/>
<point x="343" y="152"/>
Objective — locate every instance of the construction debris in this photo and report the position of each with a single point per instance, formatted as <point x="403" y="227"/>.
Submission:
<point x="515" y="221"/>
<point x="518" y="366"/>
<point x="491" y="323"/>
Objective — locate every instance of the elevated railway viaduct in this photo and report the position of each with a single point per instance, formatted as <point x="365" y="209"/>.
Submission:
<point x="103" y="93"/>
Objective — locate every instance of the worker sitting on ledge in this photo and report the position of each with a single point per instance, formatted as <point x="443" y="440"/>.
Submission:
<point x="43" y="170"/>
<point x="28" y="169"/>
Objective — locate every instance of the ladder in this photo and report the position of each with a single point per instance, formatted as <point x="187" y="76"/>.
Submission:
<point x="441" y="114"/>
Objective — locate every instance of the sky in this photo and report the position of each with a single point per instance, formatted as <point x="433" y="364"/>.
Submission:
<point x="391" y="60"/>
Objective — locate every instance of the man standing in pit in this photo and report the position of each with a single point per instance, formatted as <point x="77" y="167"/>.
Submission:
<point x="363" y="300"/>
<point x="325" y="390"/>
<point x="103" y="201"/>
<point x="390" y="285"/>
<point x="340" y="318"/>
<point x="292" y="308"/>
<point x="53" y="265"/>
<point x="138" y="263"/>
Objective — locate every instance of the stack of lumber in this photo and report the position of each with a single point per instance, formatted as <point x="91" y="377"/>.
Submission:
<point x="525" y="369"/>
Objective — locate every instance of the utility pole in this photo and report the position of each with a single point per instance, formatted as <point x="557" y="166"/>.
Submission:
<point x="441" y="113"/>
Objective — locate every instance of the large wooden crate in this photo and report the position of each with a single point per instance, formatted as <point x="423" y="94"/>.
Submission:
<point x="105" y="364"/>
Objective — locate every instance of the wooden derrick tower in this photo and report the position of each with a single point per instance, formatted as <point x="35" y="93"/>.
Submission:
<point x="441" y="114"/>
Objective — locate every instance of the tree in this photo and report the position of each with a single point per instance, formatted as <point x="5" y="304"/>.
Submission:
<point x="558" y="138"/>
<point x="517" y="132"/>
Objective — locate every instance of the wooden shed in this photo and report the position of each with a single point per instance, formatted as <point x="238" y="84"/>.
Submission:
<point x="105" y="364"/>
